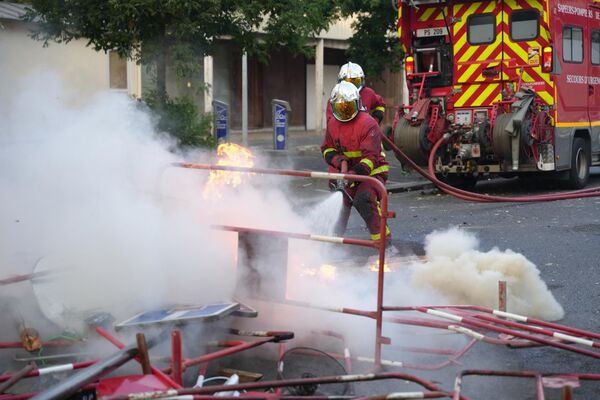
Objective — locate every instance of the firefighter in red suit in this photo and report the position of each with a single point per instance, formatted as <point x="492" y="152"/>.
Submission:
<point x="354" y="137"/>
<point x="371" y="101"/>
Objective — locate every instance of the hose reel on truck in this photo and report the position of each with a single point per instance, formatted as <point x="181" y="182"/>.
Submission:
<point x="411" y="139"/>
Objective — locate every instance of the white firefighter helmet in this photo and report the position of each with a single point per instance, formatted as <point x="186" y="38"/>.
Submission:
<point x="352" y="73"/>
<point x="345" y="101"/>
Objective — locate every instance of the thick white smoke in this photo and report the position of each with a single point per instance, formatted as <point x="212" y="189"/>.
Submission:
<point x="456" y="269"/>
<point x="88" y="192"/>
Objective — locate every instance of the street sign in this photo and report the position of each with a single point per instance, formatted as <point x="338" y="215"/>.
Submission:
<point x="221" y="121"/>
<point x="281" y="109"/>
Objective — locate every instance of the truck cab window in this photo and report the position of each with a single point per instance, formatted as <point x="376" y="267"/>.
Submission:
<point x="524" y="25"/>
<point x="572" y="44"/>
<point x="481" y="29"/>
<point x="596" y="47"/>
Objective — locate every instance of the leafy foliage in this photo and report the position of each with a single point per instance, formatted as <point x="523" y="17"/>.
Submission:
<point x="143" y="29"/>
<point x="180" y="118"/>
<point x="375" y="45"/>
<point x="154" y="32"/>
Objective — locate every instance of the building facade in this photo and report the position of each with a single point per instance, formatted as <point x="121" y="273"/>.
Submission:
<point x="304" y="82"/>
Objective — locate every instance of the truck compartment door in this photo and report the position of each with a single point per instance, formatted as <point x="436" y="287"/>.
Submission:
<point x="477" y="51"/>
<point x="477" y="41"/>
<point x="526" y="32"/>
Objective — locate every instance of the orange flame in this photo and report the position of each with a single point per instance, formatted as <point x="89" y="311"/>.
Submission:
<point x="375" y="268"/>
<point x="229" y="154"/>
<point x="325" y="273"/>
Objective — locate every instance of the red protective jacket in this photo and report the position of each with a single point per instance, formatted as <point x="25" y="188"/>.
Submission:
<point x="371" y="101"/>
<point x="359" y="140"/>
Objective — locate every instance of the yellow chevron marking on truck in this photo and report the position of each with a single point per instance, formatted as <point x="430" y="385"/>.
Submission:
<point x="457" y="7"/>
<point x="426" y="14"/>
<point x="466" y="95"/>
<point x="463" y="39"/>
<point x="535" y="4"/>
<point x="486" y="93"/>
<point x="547" y="97"/>
<point x="440" y="16"/>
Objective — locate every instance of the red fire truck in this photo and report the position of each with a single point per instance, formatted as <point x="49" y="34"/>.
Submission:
<point x="513" y="84"/>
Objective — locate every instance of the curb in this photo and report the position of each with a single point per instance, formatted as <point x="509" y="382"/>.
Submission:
<point x="401" y="187"/>
<point x="298" y="150"/>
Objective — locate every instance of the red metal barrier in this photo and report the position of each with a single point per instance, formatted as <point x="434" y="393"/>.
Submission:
<point x="471" y="324"/>
<point x="538" y="376"/>
<point x="430" y="386"/>
<point x="155" y="371"/>
<point x="379" y="244"/>
<point x="51" y="370"/>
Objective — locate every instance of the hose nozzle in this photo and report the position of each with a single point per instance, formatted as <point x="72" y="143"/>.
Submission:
<point x="341" y="186"/>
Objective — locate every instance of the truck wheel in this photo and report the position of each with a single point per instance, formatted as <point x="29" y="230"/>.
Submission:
<point x="580" y="164"/>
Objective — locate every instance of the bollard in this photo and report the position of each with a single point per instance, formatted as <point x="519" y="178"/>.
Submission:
<point x="221" y="121"/>
<point x="281" y="109"/>
<point x="502" y="295"/>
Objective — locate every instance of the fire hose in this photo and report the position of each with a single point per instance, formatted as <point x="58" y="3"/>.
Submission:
<point x="477" y="197"/>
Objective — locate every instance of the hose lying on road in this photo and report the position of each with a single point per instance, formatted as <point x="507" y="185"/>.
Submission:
<point x="483" y="198"/>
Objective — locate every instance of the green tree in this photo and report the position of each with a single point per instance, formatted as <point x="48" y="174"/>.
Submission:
<point x="375" y="45"/>
<point x="152" y="32"/>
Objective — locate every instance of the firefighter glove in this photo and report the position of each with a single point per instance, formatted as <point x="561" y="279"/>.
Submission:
<point x="337" y="159"/>
<point x="359" y="169"/>
<point x="378" y="115"/>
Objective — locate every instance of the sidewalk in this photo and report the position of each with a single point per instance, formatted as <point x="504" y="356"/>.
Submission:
<point x="297" y="140"/>
<point x="301" y="143"/>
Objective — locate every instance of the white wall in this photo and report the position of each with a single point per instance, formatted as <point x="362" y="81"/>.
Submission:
<point x="330" y="73"/>
<point x="83" y="70"/>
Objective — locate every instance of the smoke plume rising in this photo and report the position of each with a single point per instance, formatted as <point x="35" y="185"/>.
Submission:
<point x="465" y="275"/>
<point x="88" y="192"/>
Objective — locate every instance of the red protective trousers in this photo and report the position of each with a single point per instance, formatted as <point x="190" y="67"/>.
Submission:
<point x="359" y="142"/>
<point x="365" y="199"/>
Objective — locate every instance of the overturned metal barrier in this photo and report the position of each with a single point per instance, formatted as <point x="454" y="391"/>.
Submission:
<point x="379" y="244"/>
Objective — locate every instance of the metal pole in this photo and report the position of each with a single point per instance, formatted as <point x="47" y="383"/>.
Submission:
<point x="176" y="357"/>
<point x="51" y="370"/>
<point x="16" y="378"/>
<point x="208" y="82"/>
<point x="302" y="236"/>
<point x="502" y="295"/>
<point x="157" y="372"/>
<point x="71" y="385"/>
<point x="319" y="62"/>
<point x="245" y="99"/>
<point x="143" y="348"/>
<point x="251" y="386"/>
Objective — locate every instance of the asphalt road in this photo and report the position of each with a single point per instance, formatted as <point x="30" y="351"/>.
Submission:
<point x="562" y="238"/>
